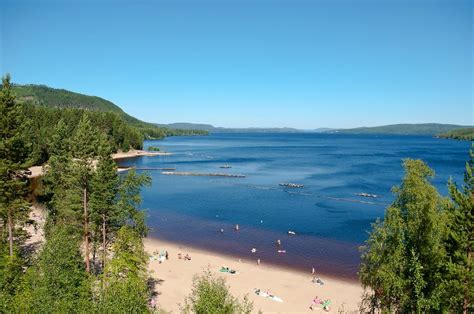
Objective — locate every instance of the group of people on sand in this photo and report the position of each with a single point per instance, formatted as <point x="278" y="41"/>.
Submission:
<point x="186" y="257"/>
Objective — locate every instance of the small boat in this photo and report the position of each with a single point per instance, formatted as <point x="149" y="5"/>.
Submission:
<point x="292" y="185"/>
<point x="282" y="251"/>
<point x="225" y="167"/>
<point x="291" y="233"/>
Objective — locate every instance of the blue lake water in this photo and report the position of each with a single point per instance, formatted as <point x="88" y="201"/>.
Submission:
<point x="330" y="220"/>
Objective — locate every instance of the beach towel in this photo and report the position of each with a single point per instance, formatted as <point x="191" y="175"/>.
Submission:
<point x="228" y="270"/>
<point x="266" y="295"/>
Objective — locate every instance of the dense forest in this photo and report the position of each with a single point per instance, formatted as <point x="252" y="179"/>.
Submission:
<point x="93" y="258"/>
<point x="41" y="95"/>
<point x="42" y="121"/>
<point x="460" y="134"/>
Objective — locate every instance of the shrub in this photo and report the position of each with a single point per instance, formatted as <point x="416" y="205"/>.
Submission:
<point x="210" y="294"/>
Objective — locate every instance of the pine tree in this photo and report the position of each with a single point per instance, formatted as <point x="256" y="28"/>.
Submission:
<point x="460" y="274"/>
<point x="402" y="262"/>
<point x="84" y="151"/>
<point x="56" y="283"/>
<point x="104" y="188"/>
<point x="129" y="198"/>
<point x="55" y="180"/>
<point x="14" y="154"/>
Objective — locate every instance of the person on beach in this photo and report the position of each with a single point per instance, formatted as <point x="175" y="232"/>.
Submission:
<point x="258" y="261"/>
<point x="312" y="271"/>
<point x="187" y="257"/>
<point x="315" y="302"/>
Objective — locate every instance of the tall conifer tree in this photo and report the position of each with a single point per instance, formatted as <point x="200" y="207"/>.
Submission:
<point x="14" y="154"/>
<point x="84" y="149"/>
<point x="104" y="188"/>
<point x="460" y="275"/>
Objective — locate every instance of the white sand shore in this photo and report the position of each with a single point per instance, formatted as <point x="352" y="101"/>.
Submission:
<point x="137" y="153"/>
<point x="295" y="288"/>
<point x="37" y="171"/>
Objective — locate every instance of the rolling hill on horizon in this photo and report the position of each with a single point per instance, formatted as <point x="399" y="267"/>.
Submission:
<point x="54" y="97"/>
<point x="431" y="129"/>
<point x="43" y="95"/>
<point x="405" y="129"/>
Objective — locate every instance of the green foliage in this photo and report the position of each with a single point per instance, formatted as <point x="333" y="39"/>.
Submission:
<point x="403" y="260"/>
<point x="104" y="188"/>
<point x="460" y="275"/>
<point x="14" y="161"/>
<point x="44" y="120"/>
<point x="129" y="199"/>
<point x="125" y="288"/>
<point x="460" y="134"/>
<point x="57" y="283"/>
<point x="11" y="273"/>
<point x="153" y="149"/>
<point x="211" y="295"/>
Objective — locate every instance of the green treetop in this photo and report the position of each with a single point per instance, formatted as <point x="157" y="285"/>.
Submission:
<point x="14" y="155"/>
<point x="460" y="273"/>
<point x="402" y="261"/>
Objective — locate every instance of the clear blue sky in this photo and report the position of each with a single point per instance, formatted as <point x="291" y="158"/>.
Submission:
<point x="303" y="64"/>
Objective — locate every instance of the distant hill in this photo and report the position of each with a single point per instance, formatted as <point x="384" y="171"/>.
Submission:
<point x="460" y="134"/>
<point x="404" y="129"/>
<point x="52" y="97"/>
<point x="212" y="129"/>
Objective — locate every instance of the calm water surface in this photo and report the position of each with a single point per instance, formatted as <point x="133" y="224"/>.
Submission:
<point x="330" y="220"/>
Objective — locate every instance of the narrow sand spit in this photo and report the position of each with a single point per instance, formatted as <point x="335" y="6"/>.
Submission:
<point x="137" y="153"/>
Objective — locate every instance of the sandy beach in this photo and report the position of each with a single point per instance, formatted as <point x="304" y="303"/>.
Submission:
<point x="137" y="153"/>
<point x="294" y="288"/>
<point x="37" y="171"/>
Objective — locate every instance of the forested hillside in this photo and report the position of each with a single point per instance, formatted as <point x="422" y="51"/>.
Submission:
<point x="460" y="134"/>
<point x="404" y="129"/>
<point x="51" y="97"/>
<point x="42" y="121"/>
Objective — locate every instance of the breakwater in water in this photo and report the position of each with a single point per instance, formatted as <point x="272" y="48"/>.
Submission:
<point x="199" y="174"/>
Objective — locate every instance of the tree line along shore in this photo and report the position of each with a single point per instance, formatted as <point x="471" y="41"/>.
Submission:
<point x="417" y="259"/>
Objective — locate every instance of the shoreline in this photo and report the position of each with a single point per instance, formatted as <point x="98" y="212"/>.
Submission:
<point x="137" y="153"/>
<point x="293" y="286"/>
<point x="37" y="171"/>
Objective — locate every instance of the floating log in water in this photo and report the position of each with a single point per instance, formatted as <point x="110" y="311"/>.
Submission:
<point x="197" y="174"/>
<point x="292" y="185"/>
<point x="163" y="169"/>
<point x="367" y="195"/>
